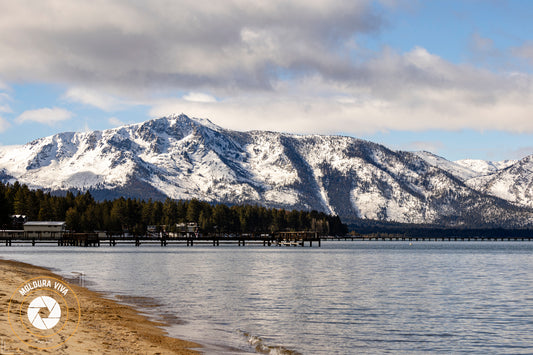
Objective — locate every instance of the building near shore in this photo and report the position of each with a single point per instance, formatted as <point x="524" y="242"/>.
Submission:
<point x="44" y="229"/>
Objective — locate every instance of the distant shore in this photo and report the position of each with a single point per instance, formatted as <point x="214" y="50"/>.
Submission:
<point x="105" y="326"/>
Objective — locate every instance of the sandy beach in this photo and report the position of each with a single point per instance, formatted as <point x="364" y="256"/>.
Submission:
<point x="105" y="326"/>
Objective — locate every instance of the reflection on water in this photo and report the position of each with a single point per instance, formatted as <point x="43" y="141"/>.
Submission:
<point x="343" y="298"/>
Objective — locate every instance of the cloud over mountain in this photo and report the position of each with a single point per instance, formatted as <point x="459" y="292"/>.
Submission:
<point x="306" y="60"/>
<point x="45" y="115"/>
<point x="179" y="43"/>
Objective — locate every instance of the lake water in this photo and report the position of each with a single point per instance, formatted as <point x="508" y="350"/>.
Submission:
<point x="342" y="298"/>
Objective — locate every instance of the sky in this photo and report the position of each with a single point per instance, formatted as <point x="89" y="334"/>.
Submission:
<point x="451" y="77"/>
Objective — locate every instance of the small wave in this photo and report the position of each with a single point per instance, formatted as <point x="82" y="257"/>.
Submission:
<point x="262" y="348"/>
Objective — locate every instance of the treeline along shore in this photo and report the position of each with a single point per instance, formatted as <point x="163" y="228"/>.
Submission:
<point x="399" y="230"/>
<point x="82" y="213"/>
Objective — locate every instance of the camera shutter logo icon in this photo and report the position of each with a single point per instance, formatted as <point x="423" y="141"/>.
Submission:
<point x="53" y="317"/>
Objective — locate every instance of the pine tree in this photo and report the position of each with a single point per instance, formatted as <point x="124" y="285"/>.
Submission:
<point x="193" y="210"/>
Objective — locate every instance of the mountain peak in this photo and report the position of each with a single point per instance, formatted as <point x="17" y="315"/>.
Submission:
<point x="182" y="118"/>
<point x="182" y="158"/>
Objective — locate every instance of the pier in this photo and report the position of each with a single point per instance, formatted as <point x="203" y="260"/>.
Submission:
<point x="398" y="238"/>
<point x="299" y="238"/>
<point x="302" y="238"/>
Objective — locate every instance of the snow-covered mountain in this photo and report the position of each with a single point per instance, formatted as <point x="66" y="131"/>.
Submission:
<point x="464" y="172"/>
<point x="465" y="169"/>
<point x="183" y="158"/>
<point x="484" y="167"/>
<point x="511" y="180"/>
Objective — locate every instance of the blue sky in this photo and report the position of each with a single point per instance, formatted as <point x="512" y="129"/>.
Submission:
<point x="451" y="77"/>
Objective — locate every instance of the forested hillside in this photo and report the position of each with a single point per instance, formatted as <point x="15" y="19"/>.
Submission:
<point x="84" y="214"/>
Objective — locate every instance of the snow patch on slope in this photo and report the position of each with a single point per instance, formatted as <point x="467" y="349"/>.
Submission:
<point x="483" y="167"/>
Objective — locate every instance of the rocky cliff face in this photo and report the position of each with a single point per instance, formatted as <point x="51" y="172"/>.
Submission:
<point x="182" y="158"/>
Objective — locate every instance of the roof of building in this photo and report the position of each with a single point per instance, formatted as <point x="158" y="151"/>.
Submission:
<point x="44" y="223"/>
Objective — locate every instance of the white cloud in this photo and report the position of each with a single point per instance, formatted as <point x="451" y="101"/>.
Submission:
<point x="4" y="124"/>
<point x="294" y="66"/>
<point x="478" y="43"/>
<point x="86" y="127"/>
<point x="413" y="91"/>
<point x="46" y="115"/>
<point x="199" y="97"/>
<point x="179" y="44"/>
<point x="93" y="98"/>
<point x="5" y="97"/>
<point x="115" y="121"/>
<point x="525" y="51"/>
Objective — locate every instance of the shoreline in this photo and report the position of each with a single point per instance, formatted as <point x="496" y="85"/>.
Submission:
<point x="106" y="326"/>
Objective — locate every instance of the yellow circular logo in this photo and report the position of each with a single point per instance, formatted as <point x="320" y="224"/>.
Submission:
<point x="44" y="312"/>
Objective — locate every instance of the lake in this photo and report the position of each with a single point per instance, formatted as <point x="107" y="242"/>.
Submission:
<point x="342" y="298"/>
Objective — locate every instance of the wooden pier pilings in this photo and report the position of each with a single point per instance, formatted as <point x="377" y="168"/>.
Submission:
<point x="429" y="238"/>
<point x="301" y="238"/>
<point x="97" y="239"/>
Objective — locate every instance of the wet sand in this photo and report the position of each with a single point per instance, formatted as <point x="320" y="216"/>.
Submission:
<point x="106" y="327"/>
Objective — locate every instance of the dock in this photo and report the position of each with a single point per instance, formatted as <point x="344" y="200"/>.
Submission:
<point x="302" y="238"/>
<point x="299" y="238"/>
<point x="429" y="238"/>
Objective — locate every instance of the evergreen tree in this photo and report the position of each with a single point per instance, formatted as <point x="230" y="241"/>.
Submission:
<point x="46" y="212"/>
<point x="4" y="207"/>
<point x="170" y="212"/>
<point x="83" y="214"/>
<point x="193" y="210"/>
<point x="73" y="220"/>
<point x="19" y="203"/>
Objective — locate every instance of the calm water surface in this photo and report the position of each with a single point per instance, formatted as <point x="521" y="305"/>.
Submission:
<point x="342" y="298"/>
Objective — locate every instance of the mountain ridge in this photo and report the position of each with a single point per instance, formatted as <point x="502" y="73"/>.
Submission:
<point x="183" y="158"/>
<point x="511" y="180"/>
